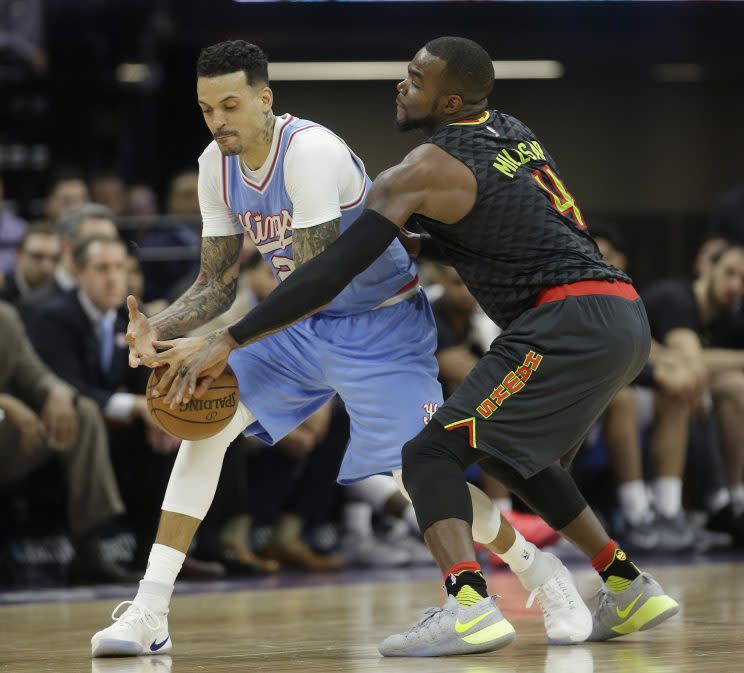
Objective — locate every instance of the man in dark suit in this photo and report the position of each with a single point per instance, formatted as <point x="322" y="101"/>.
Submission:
<point x="80" y="335"/>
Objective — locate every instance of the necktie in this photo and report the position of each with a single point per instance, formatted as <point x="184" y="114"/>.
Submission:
<point x="106" y="342"/>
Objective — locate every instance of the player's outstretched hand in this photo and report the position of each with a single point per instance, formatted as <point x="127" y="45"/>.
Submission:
<point x="193" y="363"/>
<point x="140" y="334"/>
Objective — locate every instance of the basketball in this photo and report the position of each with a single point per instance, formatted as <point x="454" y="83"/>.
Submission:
<point x="200" y="418"/>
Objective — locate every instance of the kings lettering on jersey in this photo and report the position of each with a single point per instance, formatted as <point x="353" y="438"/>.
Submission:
<point x="268" y="232"/>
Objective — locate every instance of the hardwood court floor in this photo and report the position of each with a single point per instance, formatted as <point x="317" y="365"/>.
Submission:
<point x="328" y="629"/>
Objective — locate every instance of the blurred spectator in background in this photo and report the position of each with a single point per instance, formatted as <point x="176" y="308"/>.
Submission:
<point x="141" y="201"/>
<point x="706" y="254"/>
<point x="80" y="335"/>
<point x="727" y="218"/>
<point x="11" y="231"/>
<point x="180" y="231"/>
<point x="42" y="417"/>
<point x="68" y="191"/>
<point x="136" y="284"/>
<point x="83" y="221"/>
<point x="109" y="190"/>
<point x="37" y="257"/>
<point x="610" y="243"/>
<point x="702" y="322"/>
<point x="135" y="278"/>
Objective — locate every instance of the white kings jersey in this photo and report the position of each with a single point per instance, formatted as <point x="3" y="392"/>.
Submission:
<point x="310" y="177"/>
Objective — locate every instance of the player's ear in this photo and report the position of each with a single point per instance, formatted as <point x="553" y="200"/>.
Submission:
<point x="453" y="104"/>
<point x="267" y="98"/>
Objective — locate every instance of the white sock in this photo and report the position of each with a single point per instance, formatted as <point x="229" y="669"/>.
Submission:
<point x="634" y="502"/>
<point x="718" y="500"/>
<point x="163" y="565"/>
<point x="668" y="496"/>
<point x="531" y="565"/>
<point x="358" y="518"/>
<point x="502" y="504"/>
<point x="737" y="497"/>
<point x="156" y="587"/>
<point x="521" y="555"/>
<point x="155" y="596"/>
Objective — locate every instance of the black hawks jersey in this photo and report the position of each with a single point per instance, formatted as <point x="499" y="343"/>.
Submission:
<point x="525" y="232"/>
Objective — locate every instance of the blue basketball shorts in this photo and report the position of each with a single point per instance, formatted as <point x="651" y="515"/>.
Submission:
<point x="381" y="363"/>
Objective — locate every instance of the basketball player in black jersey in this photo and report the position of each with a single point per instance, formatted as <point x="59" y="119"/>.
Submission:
<point x="491" y="198"/>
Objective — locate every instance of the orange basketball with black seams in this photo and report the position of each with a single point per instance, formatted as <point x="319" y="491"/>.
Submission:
<point x="200" y="418"/>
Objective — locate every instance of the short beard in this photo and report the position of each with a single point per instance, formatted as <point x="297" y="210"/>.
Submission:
<point x="410" y="124"/>
<point x="230" y="152"/>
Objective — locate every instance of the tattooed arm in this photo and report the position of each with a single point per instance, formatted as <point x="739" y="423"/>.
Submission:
<point x="212" y="293"/>
<point x="308" y="242"/>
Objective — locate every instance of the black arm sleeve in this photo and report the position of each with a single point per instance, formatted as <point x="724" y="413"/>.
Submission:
<point x="318" y="281"/>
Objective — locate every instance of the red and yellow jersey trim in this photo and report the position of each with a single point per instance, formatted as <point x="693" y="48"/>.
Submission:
<point x="472" y="122"/>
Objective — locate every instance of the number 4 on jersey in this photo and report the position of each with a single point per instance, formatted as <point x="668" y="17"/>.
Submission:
<point x="562" y="201"/>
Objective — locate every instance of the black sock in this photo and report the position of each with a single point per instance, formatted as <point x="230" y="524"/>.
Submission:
<point x="467" y="586"/>
<point x="620" y="572"/>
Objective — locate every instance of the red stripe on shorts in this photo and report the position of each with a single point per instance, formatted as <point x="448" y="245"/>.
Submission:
<point x="586" y="287"/>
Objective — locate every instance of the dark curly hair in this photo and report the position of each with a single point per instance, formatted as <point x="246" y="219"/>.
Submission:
<point x="226" y="57"/>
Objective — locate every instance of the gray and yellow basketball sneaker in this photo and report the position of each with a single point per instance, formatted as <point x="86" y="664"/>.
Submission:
<point x="453" y="629"/>
<point x="640" y="606"/>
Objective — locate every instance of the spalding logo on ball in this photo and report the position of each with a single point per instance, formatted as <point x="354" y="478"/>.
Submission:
<point x="200" y="418"/>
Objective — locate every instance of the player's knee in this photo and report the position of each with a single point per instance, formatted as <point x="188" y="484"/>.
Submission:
<point x="434" y="451"/>
<point x="411" y="460"/>
<point x="486" y="517"/>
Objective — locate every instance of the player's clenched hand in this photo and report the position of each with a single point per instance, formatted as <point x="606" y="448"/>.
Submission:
<point x="140" y="334"/>
<point x="193" y="363"/>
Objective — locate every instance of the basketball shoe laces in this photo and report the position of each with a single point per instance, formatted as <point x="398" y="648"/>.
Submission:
<point x="551" y="596"/>
<point x="427" y="615"/>
<point x="135" y="613"/>
<point x="603" y="593"/>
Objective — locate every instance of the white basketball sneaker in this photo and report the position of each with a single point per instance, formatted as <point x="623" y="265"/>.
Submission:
<point x="567" y="618"/>
<point x="138" y="630"/>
